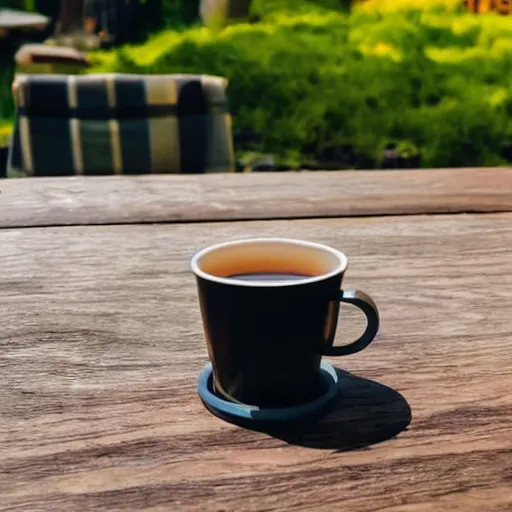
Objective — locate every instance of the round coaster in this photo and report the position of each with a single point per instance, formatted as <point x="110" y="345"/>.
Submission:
<point x="247" y="414"/>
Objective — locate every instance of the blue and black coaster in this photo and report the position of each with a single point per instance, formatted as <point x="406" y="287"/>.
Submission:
<point x="252" y="416"/>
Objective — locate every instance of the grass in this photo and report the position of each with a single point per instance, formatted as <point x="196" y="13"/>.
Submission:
<point x="5" y="132"/>
<point x="6" y="103"/>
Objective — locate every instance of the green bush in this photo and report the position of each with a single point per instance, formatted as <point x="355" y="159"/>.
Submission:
<point x="6" y="103"/>
<point x="28" y="5"/>
<point x="179" y="12"/>
<point x="312" y="77"/>
<point x="175" y="14"/>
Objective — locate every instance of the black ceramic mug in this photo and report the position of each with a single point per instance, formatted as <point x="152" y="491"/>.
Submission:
<point x="270" y="310"/>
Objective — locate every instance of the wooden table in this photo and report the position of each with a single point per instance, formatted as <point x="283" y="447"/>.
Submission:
<point x="101" y="344"/>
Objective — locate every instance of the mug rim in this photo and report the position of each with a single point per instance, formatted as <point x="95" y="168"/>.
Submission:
<point x="340" y="268"/>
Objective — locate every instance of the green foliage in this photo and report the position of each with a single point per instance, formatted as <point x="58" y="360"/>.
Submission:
<point x="27" y="5"/>
<point x="179" y="12"/>
<point x="310" y="76"/>
<point x="6" y="103"/>
<point x="5" y="133"/>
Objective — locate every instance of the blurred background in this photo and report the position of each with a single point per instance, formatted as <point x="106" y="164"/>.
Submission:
<point x="316" y="84"/>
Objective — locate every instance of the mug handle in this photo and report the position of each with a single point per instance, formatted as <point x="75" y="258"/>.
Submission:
<point x="367" y="306"/>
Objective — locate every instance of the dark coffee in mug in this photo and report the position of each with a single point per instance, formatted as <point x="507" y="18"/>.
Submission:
<point x="270" y="310"/>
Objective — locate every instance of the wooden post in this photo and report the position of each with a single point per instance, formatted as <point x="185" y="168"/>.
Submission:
<point x="71" y="30"/>
<point x="473" y="5"/>
<point x="220" y="12"/>
<point x="71" y="18"/>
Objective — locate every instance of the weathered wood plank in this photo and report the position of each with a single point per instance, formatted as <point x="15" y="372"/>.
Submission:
<point x="142" y="199"/>
<point x="101" y="344"/>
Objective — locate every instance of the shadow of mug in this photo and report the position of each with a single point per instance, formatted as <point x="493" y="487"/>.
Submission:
<point x="364" y="413"/>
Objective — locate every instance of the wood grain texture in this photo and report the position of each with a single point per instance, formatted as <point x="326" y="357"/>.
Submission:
<point x="101" y="344"/>
<point x="146" y="199"/>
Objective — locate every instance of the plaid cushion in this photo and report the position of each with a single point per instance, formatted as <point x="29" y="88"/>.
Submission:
<point x="113" y="124"/>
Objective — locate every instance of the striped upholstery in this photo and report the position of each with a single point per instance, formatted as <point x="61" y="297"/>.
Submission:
<point x="114" y="124"/>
